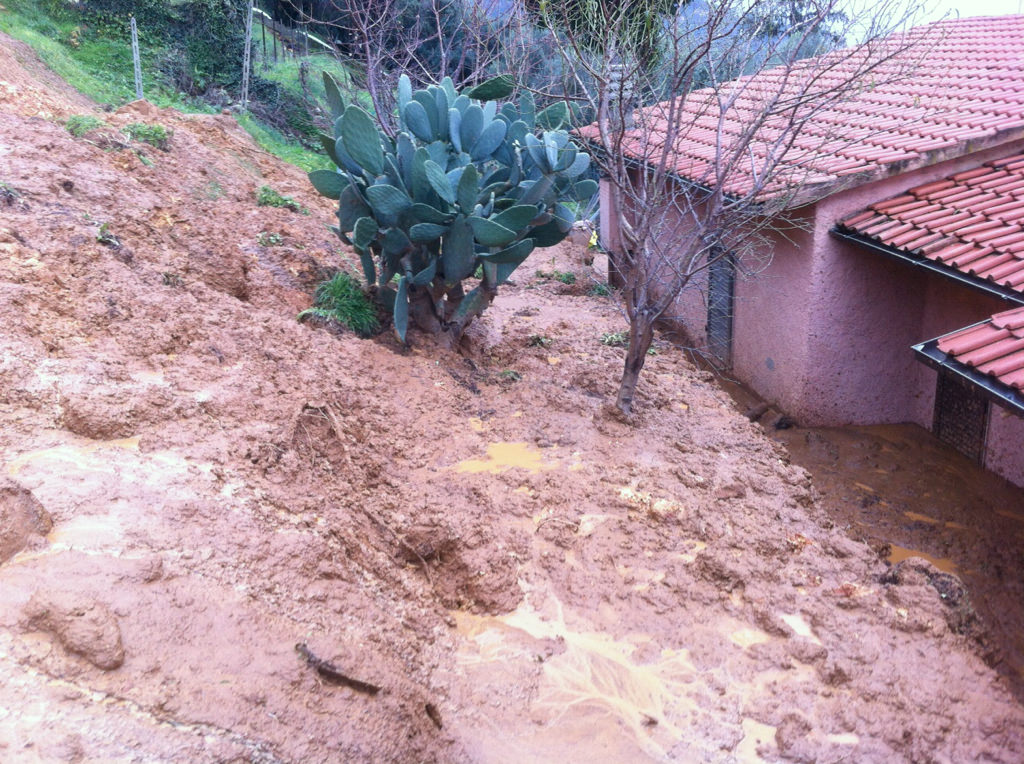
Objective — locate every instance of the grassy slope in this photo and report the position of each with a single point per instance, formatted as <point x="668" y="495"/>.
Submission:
<point x="102" y="70"/>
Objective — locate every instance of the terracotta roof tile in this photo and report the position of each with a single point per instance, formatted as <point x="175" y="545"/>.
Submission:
<point x="966" y="84"/>
<point x="995" y="347"/>
<point x="972" y="221"/>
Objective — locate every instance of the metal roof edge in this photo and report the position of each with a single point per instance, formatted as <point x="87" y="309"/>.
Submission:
<point x="1003" y="395"/>
<point x="997" y="290"/>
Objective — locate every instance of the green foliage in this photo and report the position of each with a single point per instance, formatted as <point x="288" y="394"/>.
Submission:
<point x="564" y="277"/>
<point x="156" y="135"/>
<point x="277" y="143"/>
<point x="105" y="237"/>
<point x="510" y="375"/>
<point x="342" y="300"/>
<point x="268" y="239"/>
<point x="95" y="58"/>
<point x="600" y="290"/>
<point x="636" y="25"/>
<point x="268" y="197"/>
<point x="538" y="341"/>
<point x="80" y="124"/>
<point x="9" y="194"/>
<point x="465" y="184"/>
<point x="615" y="339"/>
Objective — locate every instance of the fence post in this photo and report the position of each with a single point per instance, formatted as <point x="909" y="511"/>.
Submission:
<point x="136" y="61"/>
<point x="246" y="57"/>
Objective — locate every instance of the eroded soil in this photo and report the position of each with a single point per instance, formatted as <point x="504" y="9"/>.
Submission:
<point x="194" y="483"/>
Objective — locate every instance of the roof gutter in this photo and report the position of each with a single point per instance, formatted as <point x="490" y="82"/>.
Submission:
<point x="996" y="290"/>
<point x="1003" y="395"/>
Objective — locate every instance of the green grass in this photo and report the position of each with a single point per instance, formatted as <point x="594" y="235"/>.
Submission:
<point x="282" y="147"/>
<point x="341" y="299"/>
<point x="286" y="74"/>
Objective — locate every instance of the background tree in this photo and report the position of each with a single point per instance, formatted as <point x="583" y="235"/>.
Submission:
<point x="427" y="40"/>
<point x="710" y="163"/>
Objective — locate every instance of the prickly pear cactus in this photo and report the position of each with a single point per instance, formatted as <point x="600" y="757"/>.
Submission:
<point x="463" y="184"/>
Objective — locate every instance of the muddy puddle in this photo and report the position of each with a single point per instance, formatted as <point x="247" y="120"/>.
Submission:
<point x="589" y="696"/>
<point x="899" y="489"/>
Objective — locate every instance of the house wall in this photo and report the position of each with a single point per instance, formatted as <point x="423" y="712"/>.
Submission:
<point x="1004" y="453"/>
<point x="866" y="310"/>
<point x="771" y="321"/>
<point x="949" y="306"/>
<point x="825" y="329"/>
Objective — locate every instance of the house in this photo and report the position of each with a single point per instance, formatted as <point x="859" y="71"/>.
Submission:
<point x="899" y="297"/>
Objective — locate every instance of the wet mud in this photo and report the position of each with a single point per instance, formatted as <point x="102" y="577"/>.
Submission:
<point x="193" y="484"/>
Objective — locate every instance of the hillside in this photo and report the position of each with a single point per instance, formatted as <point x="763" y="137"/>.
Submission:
<point x="194" y="484"/>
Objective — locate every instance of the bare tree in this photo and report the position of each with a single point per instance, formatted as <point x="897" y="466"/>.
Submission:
<point x="727" y="140"/>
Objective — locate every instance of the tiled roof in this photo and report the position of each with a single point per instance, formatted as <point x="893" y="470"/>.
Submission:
<point x="972" y="222"/>
<point x="962" y="80"/>
<point x="995" y="347"/>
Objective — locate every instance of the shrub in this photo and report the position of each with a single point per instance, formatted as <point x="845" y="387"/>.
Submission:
<point x="268" y="197"/>
<point x="563" y="277"/>
<point x="462" y="184"/>
<point x="157" y="136"/>
<point x="341" y="299"/>
<point x="80" y="124"/>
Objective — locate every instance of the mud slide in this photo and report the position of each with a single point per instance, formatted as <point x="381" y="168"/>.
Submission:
<point x="228" y="536"/>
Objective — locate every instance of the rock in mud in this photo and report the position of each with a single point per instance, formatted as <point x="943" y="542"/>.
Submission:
<point x="791" y="738"/>
<point x="82" y="625"/>
<point x="22" y="517"/>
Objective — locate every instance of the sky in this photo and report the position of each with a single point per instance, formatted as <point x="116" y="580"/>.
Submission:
<point x="936" y="9"/>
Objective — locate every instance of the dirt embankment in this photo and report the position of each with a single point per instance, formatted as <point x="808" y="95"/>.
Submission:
<point x="194" y="484"/>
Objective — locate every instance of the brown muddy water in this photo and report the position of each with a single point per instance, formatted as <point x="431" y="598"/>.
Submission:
<point x="901" y="490"/>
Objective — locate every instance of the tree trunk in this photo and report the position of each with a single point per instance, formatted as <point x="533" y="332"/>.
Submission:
<point x="641" y="335"/>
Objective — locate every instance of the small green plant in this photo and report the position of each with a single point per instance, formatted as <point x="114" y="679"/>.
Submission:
<point x="341" y="299"/>
<point x="79" y="124"/>
<point x="172" y="279"/>
<point x="615" y="339"/>
<point x="268" y="239"/>
<point x="268" y="197"/>
<point x="600" y="290"/>
<point x="539" y="341"/>
<point x="510" y="375"/>
<point x="213" y="191"/>
<point x="620" y="340"/>
<point x="9" y="195"/>
<point x="105" y="237"/>
<point x="156" y="135"/>
<point x="562" y="276"/>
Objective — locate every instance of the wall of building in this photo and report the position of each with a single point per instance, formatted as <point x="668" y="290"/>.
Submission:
<point x="1005" y="445"/>
<point x="770" y="325"/>
<point x="949" y="306"/>
<point x="825" y="330"/>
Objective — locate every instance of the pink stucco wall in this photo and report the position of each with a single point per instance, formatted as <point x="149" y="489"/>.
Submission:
<point x="825" y="329"/>
<point x="1005" y="446"/>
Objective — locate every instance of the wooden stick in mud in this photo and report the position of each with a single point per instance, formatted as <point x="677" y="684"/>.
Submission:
<point x="330" y="672"/>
